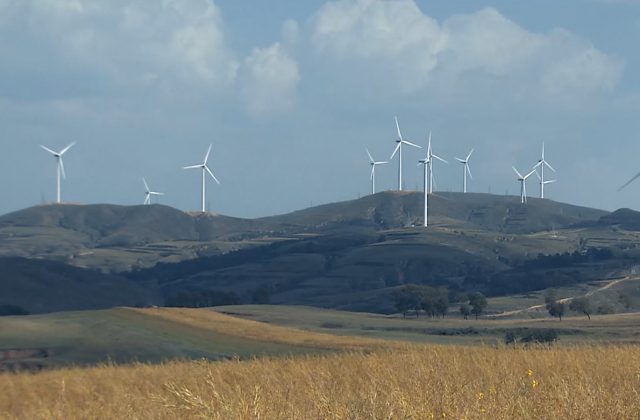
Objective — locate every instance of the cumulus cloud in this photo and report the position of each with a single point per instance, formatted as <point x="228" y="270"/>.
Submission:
<point x="417" y="51"/>
<point x="270" y="79"/>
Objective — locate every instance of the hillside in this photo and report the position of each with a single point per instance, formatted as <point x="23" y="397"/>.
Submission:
<point x="394" y="209"/>
<point x="41" y="286"/>
<point x="116" y="238"/>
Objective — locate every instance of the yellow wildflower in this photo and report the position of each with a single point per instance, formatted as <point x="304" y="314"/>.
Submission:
<point x="534" y="384"/>
<point x="481" y="396"/>
<point x="530" y="372"/>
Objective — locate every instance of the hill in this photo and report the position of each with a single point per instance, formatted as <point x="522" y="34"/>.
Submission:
<point x="116" y="238"/>
<point x="41" y="286"/>
<point x="394" y="209"/>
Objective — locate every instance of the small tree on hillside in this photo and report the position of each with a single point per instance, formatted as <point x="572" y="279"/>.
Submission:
<point x="582" y="305"/>
<point x="465" y="311"/>
<point x="625" y="300"/>
<point x="478" y="302"/>
<point x="554" y="307"/>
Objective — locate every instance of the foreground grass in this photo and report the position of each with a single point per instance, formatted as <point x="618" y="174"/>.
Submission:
<point x="414" y="382"/>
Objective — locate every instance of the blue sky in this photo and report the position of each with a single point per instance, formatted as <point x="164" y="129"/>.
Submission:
<point x="291" y="93"/>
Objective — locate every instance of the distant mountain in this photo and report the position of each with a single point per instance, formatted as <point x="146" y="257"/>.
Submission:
<point x="394" y="209"/>
<point x="626" y="219"/>
<point x="42" y="286"/>
<point x="115" y="238"/>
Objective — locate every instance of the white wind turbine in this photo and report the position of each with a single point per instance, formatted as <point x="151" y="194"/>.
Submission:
<point x="425" y="162"/>
<point x="541" y="163"/>
<point x="523" y="184"/>
<point x="60" y="168"/>
<point x="465" y="169"/>
<point x="373" y="171"/>
<point x="430" y="157"/>
<point x="149" y="193"/>
<point x="399" y="150"/>
<point x="205" y="169"/>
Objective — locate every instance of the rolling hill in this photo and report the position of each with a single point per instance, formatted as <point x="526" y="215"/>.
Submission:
<point x="347" y="255"/>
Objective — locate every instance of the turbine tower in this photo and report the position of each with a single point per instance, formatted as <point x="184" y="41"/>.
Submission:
<point x="373" y="171"/>
<point x="425" y="162"/>
<point x="541" y="163"/>
<point x="465" y="169"/>
<point x="149" y="193"/>
<point x="60" y="167"/>
<point x="399" y="150"/>
<point x="205" y="169"/>
<point x="523" y="184"/>
<point x="430" y="157"/>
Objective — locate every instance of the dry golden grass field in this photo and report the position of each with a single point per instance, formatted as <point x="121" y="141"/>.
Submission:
<point x="347" y="378"/>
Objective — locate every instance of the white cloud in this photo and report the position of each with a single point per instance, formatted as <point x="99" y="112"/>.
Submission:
<point x="290" y="32"/>
<point x="270" y="79"/>
<point x="417" y="52"/>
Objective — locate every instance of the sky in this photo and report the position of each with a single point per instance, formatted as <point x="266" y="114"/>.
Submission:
<point x="291" y="93"/>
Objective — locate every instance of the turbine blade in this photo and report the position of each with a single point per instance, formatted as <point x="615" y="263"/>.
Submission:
<point x="519" y="175"/>
<point x="64" y="176"/>
<point x="460" y="160"/>
<point x="208" y="152"/>
<point x="147" y="199"/>
<point x="550" y="182"/>
<point x="394" y="152"/>
<point x="67" y="148"/>
<point x="537" y="174"/>
<point x="193" y="167"/>
<point x="411" y="144"/>
<point x="155" y="193"/>
<point x="372" y="161"/>
<point x="550" y="167"/>
<point x="398" y="127"/>
<point x="469" y="154"/>
<point x="630" y="181"/>
<point x="439" y="158"/>
<point x="145" y="184"/>
<point x="49" y="150"/>
<point x="538" y="164"/>
<point x="380" y="163"/>
<point x="530" y="173"/>
<point x="211" y="173"/>
<point x="542" y="150"/>
<point x="468" y="170"/>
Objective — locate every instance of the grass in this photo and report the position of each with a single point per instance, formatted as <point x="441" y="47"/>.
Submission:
<point x="414" y="382"/>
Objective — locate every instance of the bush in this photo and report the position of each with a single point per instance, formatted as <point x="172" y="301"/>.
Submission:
<point x="606" y="309"/>
<point x="546" y="335"/>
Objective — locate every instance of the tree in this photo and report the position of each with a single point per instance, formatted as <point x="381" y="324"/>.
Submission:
<point x="461" y="297"/>
<point x="465" y="310"/>
<point x="606" y="309"/>
<point x="582" y="305"/>
<point x="408" y="297"/>
<point x="478" y="302"/>
<point x="262" y="295"/>
<point x="554" y="307"/>
<point x="625" y="300"/>
<point x="442" y="305"/>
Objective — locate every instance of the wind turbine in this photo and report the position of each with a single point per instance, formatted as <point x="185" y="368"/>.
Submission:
<point x="430" y="157"/>
<point x="630" y="181"/>
<point x="149" y="193"/>
<point x="465" y="169"/>
<point x="60" y="168"/>
<point x="399" y="150"/>
<point x="425" y="162"/>
<point x="373" y="171"/>
<point x="205" y="169"/>
<point x="523" y="184"/>
<point x="541" y="163"/>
